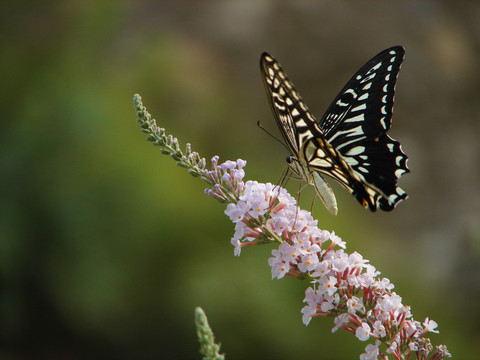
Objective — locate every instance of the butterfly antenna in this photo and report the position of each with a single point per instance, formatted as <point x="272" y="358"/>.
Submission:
<point x="269" y="133"/>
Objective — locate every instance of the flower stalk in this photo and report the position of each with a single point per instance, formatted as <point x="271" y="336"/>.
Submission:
<point x="208" y="348"/>
<point x="343" y="286"/>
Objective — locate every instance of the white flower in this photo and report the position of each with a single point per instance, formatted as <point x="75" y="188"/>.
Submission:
<point x="379" y="329"/>
<point x="322" y="268"/>
<point x="226" y="177"/>
<point x="430" y="325"/>
<point x="311" y="296"/>
<point x="337" y="240"/>
<point x="241" y="163"/>
<point x="329" y="302"/>
<point x="390" y="302"/>
<point x="353" y="280"/>
<point x="228" y="165"/>
<point x="340" y="262"/>
<point x="279" y="266"/>
<point x="392" y="347"/>
<point x="285" y="198"/>
<point x="323" y="236"/>
<point x="363" y="332"/>
<point x="371" y="270"/>
<point x="280" y="269"/>
<point x="355" y="259"/>
<point x="308" y="311"/>
<point x="308" y="262"/>
<point x="280" y="224"/>
<point x="258" y="207"/>
<point x="354" y="304"/>
<point x="384" y="284"/>
<point x="413" y="346"/>
<point x="339" y="321"/>
<point x="327" y="285"/>
<point x="238" y="174"/>
<point x="371" y="352"/>
<point x="238" y="246"/>
<point x="240" y="229"/>
<point x="413" y="328"/>
<point x="365" y="279"/>
<point x="302" y="239"/>
<point x="289" y="252"/>
<point x="236" y="211"/>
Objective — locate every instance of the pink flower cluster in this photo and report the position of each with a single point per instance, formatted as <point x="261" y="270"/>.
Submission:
<point x="343" y="286"/>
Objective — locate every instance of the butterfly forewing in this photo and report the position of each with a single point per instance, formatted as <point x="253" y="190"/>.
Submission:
<point x="364" y="106"/>
<point x="349" y="143"/>
<point x="298" y="127"/>
<point x="291" y="113"/>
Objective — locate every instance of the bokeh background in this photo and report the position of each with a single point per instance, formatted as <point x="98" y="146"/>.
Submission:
<point x="107" y="246"/>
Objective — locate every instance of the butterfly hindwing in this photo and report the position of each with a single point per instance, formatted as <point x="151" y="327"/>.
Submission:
<point x="358" y="119"/>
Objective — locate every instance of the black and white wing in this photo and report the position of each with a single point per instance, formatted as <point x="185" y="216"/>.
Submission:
<point x="349" y="143"/>
<point x="356" y="125"/>
<point x="310" y="154"/>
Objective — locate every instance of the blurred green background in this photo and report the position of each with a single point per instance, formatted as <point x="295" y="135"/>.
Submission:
<point x="107" y="246"/>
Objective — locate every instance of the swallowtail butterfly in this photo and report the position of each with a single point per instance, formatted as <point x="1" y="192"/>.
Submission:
<point x="350" y="142"/>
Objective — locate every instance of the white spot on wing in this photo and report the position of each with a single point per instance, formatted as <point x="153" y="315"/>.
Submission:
<point x="357" y="150"/>
<point x="398" y="160"/>
<point x="357" y="118"/>
<point x="361" y="107"/>
<point x="376" y="67"/>
<point x="367" y="86"/>
<point x="382" y="122"/>
<point x="301" y="122"/>
<point x="351" y="161"/>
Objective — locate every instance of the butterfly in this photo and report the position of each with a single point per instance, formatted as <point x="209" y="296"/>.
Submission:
<point x="350" y="142"/>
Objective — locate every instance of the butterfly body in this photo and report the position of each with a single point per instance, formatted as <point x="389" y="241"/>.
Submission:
<point x="301" y="169"/>
<point x="349" y="143"/>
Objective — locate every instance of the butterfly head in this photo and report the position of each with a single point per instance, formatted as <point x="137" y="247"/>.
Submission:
<point x="296" y="167"/>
